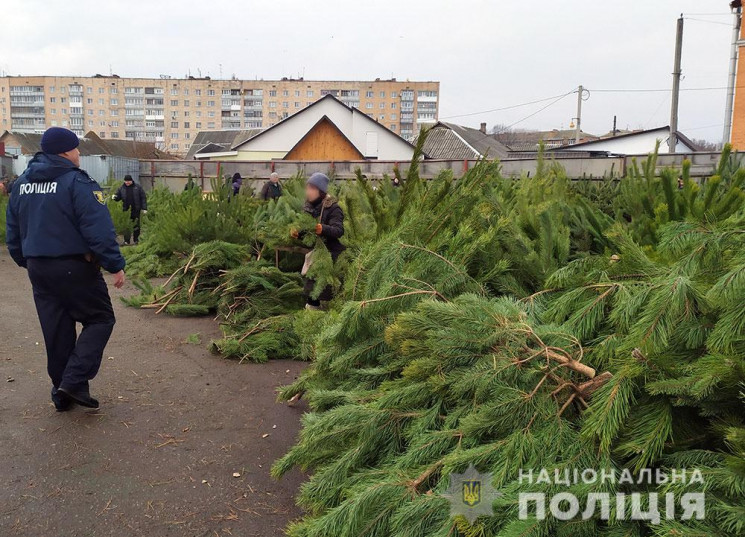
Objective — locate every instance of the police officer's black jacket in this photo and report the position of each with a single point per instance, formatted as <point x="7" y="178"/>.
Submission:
<point x="132" y="197"/>
<point x="57" y="210"/>
<point x="331" y="217"/>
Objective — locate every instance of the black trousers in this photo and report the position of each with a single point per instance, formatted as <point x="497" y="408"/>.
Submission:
<point x="69" y="291"/>
<point x="134" y="215"/>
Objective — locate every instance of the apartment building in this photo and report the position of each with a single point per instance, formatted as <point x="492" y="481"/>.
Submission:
<point x="170" y="111"/>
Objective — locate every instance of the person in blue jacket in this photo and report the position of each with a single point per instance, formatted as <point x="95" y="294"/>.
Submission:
<point x="59" y="229"/>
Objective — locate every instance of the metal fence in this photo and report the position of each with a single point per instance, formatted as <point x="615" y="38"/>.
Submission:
<point x="102" y="168"/>
<point x="175" y="173"/>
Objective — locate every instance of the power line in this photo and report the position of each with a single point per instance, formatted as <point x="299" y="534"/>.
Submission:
<point x="508" y="107"/>
<point x="538" y="111"/>
<point x="657" y="90"/>
<point x="708" y="22"/>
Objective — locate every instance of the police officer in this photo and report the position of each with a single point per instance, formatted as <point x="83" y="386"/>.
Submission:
<point x="59" y="228"/>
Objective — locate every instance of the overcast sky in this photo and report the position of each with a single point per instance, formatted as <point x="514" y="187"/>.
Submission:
<point x="487" y="54"/>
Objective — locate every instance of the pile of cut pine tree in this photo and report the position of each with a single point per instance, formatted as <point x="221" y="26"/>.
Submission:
<point x="513" y="325"/>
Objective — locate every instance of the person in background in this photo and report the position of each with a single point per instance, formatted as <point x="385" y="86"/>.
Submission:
<point x="59" y="229"/>
<point x="237" y="183"/>
<point x="330" y="227"/>
<point x="272" y="189"/>
<point x="191" y="183"/>
<point x="396" y="181"/>
<point x="134" y="200"/>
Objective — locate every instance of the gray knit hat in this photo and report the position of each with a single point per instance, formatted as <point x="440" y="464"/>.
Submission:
<point x="320" y="181"/>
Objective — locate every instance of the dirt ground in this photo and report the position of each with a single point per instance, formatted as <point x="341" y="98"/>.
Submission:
<point x="182" y="444"/>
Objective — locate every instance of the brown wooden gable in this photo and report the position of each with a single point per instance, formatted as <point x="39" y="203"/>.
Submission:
<point x="324" y="141"/>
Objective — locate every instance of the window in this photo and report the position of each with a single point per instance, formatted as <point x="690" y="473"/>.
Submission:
<point x="285" y="93"/>
<point x="115" y="112"/>
<point x="100" y="102"/>
<point x="51" y="89"/>
<point x="210" y="103"/>
<point x="113" y="91"/>
<point x="393" y="95"/>
<point x="186" y="114"/>
<point x="382" y="95"/>
<point x="297" y="93"/>
<point x="285" y="104"/>
<point x="187" y="135"/>
<point x="174" y="135"/>
<point x="393" y="127"/>
<point x="382" y="106"/>
<point x="101" y="123"/>
<point x="90" y="112"/>
<point x="210" y="124"/>
<point x="186" y="102"/>
<point x="382" y="117"/>
<point x="272" y="93"/>
<point x="64" y="111"/>
<point x="174" y="124"/>
<point x="114" y="123"/>
<point x="114" y="102"/>
<point x="297" y="104"/>
<point x="101" y="90"/>
<point x="174" y="102"/>
<point x="272" y="104"/>
<point x="90" y="122"/>
<point x="393" y="106"/>
<point x="272" y="114"/>
<point x="101" y="112"/>
<point x="210" y="114"/>
<point x="393" y="117"/>
<point x="309" y="93"/>
<point x="62" y="99"/>
<point x="370" y="94"/>
<point x="114" y="134"/>
<point x="53" y="100"/>
<point x="187" y="146"/>
<point x="369" y="106"/>
<point x="89" y="89"/>
<point x="174" y="91"/>
<point x="53" y="111"/>
<point x="89" y="101"/>
<point x="427" y="93"/>
<point x="174" y="146"/>
<point x="211" y="93"/>
<point x="102" y="134"/>
<point x="199" y="103"/>
<point x="198" y="113"/>
<point x="197" y="92"/>
<point x="186" y="124"/>
<point x="186" y="92"/>
<point x="198" y="124"/>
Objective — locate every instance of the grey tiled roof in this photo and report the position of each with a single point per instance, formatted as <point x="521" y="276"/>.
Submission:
<point x="450" y="141"/>
<point x="224" y="139"/>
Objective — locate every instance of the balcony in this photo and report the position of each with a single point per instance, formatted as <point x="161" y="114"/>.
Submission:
<point x="426" y="99"/>
<point x="152" y="117"/>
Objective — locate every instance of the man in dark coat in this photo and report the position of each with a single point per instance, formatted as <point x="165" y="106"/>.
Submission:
<point x="272" y="189"/>
<point x="59" y="229"/>
<point x="237" y="183"/>
<point x="330" y="227"/>
<point x="134" y="200"/>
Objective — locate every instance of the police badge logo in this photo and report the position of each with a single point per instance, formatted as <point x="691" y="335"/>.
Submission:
<point x="99" y="197"/>
<point x="471" y="494"/>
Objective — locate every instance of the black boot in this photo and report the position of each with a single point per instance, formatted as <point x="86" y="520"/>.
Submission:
<point x="81" y="398"/>
<point x="61" y="401"/>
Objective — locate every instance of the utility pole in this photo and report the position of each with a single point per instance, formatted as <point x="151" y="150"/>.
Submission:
<point x="728" y="111"/>
<point x="580" y="91"/>
<point x="673" y="138"/>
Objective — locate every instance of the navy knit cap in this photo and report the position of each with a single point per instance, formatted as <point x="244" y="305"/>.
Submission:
<point x="56" y="140"/>
<point x="320" y="181"/>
